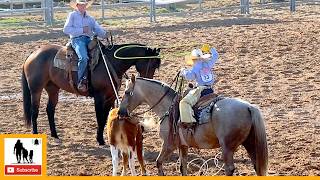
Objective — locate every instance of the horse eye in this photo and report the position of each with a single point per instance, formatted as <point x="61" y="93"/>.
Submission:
<point x="131" y="93"/>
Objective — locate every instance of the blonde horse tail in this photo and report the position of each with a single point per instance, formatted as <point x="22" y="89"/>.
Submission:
<point x="258" y="136"/>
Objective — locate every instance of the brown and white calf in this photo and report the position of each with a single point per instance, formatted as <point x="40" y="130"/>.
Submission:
<point x="125" y="134"/>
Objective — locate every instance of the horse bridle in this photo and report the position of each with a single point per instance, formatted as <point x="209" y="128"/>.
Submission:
<point x="167" y="112"/>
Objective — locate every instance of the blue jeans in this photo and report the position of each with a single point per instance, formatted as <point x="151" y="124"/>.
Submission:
<point x="80" y="45"/>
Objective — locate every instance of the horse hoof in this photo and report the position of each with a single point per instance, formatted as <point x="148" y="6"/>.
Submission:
<point x="55" y="136"/>
<point x="101" y="142"/>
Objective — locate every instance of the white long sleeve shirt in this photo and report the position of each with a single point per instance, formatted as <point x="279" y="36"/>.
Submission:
<point x="75" y="23"/>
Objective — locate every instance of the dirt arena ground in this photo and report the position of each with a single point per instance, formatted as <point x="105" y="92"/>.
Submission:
<point x="270" y="58"/>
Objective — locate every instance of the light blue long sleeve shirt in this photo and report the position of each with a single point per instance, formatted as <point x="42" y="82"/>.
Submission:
<point x="201" y="70"/>
<point x="75" y="23"/>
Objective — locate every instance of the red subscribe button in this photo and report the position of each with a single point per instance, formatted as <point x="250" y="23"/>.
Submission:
<point x="23" y="170"/>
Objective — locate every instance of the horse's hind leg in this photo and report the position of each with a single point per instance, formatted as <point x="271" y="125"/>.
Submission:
<point x="227" y="155"/>
<point x="35" y="102"/>
<point x="53" y="93"/>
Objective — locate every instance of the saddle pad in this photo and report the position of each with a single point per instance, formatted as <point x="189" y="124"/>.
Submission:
<point x="60" y="60"/>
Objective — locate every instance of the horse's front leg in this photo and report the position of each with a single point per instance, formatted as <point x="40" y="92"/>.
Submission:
<point x="166" y="150"/>
<point x="102" y="110"/>
<point x="53" y="93"/>
<point x="183" y="155"/>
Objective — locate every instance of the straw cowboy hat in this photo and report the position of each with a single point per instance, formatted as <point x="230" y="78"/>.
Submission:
<point x="195" y="55"/>
<point x="74" y="3"/>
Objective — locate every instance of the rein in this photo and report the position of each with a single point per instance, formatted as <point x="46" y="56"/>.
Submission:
<point x="128" y="58"/>
<point x="109" y="74"/>
<point x="167" y="113"/>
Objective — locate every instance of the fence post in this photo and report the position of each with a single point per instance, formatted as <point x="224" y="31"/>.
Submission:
<point x="200" y="5"/>
<point x="292" y="5"/>
<point x="152" y="11"/>
<point x="48" y="12"/>
<point x="244" y="6"/>
<point x="247" y="6"/>
<point x="102" y="9"/>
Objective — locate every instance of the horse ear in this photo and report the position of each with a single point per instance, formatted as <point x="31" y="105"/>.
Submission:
<point x="133" y="78"/>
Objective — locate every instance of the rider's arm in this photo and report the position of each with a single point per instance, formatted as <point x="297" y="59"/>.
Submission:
<point x="214" y="57"/>
<point x="98" y="30"/>
<point x="69" y="27"/>
<point x="189" y="74"/>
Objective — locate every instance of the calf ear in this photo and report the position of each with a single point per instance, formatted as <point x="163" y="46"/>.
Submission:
<point x="133" y="78"/>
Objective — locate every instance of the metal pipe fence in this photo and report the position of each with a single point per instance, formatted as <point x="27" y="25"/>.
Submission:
<point x="48" y="10"/>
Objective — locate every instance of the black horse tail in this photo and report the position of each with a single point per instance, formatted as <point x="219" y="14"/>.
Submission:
<point x="26" y="99"/>
<point x="259" y="141"/>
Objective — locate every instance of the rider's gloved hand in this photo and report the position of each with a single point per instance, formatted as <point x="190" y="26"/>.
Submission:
<point x="205" y="48"/>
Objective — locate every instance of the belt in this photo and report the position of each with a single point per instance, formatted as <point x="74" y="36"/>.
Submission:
<point x="207" y="86"/>
<point x="81" y="36"/>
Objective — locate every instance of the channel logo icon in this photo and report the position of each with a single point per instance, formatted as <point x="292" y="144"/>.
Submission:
<point x="23" y="156"/>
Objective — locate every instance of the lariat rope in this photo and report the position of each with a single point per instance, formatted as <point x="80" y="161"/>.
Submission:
<point x="128" y="58"/>
<point x="113" y="86"/>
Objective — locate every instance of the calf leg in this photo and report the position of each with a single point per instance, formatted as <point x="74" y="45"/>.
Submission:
<point x="139" y="146"/>
<point x="125" y="163"/>
<point x="132" y="162"/>
<point x="115" y="159"/>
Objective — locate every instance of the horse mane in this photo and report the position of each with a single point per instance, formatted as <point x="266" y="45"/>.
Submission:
<point x="167" y="87"/>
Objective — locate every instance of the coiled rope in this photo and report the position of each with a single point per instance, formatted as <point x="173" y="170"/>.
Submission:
<point x="128" y="58"/>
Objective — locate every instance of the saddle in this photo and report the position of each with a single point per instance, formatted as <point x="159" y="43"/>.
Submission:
<point x="202" y="109"/>
<point x="66" y="59"/>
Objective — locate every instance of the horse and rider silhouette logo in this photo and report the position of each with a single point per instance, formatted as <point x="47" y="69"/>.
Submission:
<point x="22" y="153"/>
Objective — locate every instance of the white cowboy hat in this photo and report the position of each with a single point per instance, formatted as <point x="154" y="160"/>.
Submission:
<point x="74" y="3"/>
<point x="196" y="54"/>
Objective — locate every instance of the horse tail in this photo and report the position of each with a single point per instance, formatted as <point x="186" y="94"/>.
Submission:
<point x="258" y="136"/>
<point x="148" y="124"/>
<point x="26" y="99"/>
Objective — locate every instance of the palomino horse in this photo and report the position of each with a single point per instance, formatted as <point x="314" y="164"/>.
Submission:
<point x="38" y="73"/>
<point x="233" y="123"/>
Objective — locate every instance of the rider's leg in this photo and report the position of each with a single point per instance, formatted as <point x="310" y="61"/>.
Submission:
<point x="185" y="105"/>
<point x="80" y="46"/>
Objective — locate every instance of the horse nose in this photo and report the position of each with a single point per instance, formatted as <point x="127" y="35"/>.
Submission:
<point x="123" y="112"/>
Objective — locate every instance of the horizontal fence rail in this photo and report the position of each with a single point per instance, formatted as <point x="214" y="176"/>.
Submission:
<point x="47" y="9"/>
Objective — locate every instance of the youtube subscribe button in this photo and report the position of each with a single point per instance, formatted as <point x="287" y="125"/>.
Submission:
<point x="23" y="170"/>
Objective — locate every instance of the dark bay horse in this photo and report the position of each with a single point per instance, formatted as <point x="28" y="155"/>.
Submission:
<point x="39" y="73"/>
<point x="233" y="122"/>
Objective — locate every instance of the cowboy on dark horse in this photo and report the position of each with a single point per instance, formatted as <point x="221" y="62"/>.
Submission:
<point x="81" y="28"/>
